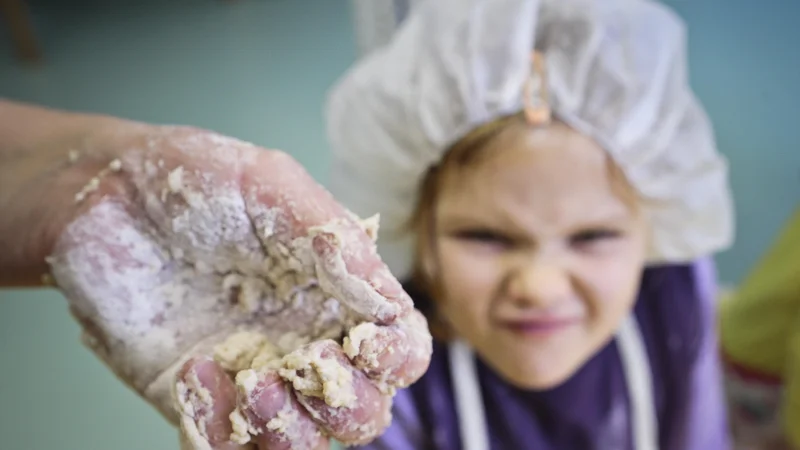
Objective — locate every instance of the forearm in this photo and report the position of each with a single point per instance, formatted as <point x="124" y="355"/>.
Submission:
<point x="36" y="145"/>
<point x="23" y="125"/>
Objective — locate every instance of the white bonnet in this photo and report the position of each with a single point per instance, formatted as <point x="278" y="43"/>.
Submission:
<point x="616" y="71"/>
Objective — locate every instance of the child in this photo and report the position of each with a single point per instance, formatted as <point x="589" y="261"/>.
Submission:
<point x="760" y="337"/>
<point x="563" y="193"/>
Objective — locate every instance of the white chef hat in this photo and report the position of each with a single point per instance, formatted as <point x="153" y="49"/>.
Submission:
<point x="616" y="70"/>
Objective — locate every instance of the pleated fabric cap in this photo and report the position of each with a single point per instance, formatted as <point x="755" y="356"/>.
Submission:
<point x="615" y="70"/>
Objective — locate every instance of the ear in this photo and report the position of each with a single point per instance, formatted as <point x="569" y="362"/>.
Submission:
<point x="429" y="265"/>
<point x="429" y="257"/>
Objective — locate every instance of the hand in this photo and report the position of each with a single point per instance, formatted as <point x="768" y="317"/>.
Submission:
<point x="218" y="277"/>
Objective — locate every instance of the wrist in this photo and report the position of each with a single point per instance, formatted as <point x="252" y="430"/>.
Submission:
<point x="43" y="164"/>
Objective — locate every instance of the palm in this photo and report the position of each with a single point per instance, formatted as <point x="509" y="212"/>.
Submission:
<point x="211" y="246"/>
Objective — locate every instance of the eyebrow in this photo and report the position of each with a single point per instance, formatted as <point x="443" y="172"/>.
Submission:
<point x="504" y="220"/>
<point x="499" y="222"/>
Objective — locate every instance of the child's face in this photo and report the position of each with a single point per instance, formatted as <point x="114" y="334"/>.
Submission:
<point x="538" y="256"/>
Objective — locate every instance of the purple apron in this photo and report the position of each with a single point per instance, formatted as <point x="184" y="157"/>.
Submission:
<point x="592" y="410"/>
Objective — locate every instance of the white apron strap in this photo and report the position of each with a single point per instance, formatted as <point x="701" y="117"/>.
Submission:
<point x="469" y="402"/>
<point x="636" y="366"/>
<point x="635" y="363"/>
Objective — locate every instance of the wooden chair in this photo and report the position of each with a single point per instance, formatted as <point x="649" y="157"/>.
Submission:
<point x="17" y="19"/>
<point x="18" y="22"/>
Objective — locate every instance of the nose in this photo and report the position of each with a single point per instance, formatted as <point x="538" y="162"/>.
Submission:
<point x="538" y="283"/>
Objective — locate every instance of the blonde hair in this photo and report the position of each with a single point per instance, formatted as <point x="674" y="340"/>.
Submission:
<point x="466" y="154"/>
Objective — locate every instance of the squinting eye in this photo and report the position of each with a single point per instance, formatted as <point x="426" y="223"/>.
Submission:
<point x="592" y="236"/>
<point x="483" y="237"/>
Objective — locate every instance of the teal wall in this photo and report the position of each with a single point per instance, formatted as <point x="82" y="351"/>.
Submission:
<point x="745" y="67"/>
<point x="258" y="70"/>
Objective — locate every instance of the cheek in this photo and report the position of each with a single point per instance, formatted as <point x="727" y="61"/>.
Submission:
<point x="469" y="281"/>
<point x="611" y="282"/>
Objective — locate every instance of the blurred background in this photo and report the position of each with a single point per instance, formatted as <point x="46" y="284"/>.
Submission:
<point x="258" y="70"/>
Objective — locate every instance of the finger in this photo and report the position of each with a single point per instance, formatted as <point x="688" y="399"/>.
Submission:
<point x="340" y="398"/>
<point x="287" y="204"/>
<point x="206" y="398"/>
<point x="396" y="355"/>
<point x="269" y="413"/>
<point x="349" y="269"/>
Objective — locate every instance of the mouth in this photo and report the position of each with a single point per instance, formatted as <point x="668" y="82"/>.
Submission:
<point x="539" y="327"/>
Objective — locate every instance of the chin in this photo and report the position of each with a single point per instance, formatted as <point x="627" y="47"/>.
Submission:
<point x="537" y="365"/>
<point x="539" y="380"/>
<point x="534" y="374"/>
